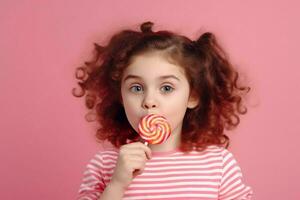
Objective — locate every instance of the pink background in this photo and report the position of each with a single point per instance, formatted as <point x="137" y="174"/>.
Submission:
<point x="45" y="140"/>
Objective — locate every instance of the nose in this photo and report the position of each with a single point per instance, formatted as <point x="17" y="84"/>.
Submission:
<point x="149" y="102"/>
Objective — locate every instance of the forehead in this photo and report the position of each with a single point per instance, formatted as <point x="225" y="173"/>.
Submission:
<point x="153" y="65"/>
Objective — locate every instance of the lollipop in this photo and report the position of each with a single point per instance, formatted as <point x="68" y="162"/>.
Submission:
<point x="154" y="129"/>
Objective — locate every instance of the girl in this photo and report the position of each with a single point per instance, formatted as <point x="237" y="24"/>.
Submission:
<point x="190" y="83"/>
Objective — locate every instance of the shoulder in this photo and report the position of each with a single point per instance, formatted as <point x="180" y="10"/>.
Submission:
<point x="103" y="157"/>
<point x="105" y="154"/>
<point x="215" y="149"/>
<point x="218" y="151"/>
<point x="228" y="161"/>
<point x="211" y="152"/>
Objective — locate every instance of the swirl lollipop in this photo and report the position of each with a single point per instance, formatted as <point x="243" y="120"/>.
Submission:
<point x="154" y="129"/>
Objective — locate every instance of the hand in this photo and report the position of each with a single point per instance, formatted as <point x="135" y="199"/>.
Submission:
<point x="130" y="163"/>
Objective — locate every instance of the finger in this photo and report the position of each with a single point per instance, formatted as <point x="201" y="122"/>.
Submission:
<point x="138" y="152"/>
<point x="142" y="146"/>
<point x="137" y="166"/>
<point x="129" y="159"/>
<point x="137" y="158"/>
<point x="126" y="152"/>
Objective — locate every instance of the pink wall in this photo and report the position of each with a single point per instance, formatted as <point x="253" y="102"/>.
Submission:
<point x="45" y="141"/>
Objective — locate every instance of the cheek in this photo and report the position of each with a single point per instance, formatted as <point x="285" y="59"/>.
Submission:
<point x="129" y="102"/>
<point x="177" y="103"/>
<point x="176" y="110"/>
<point x="129" y="107"/>
<point x="131" y="111"/>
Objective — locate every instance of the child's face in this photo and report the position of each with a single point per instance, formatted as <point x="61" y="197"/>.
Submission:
<point x="150" y="84"/>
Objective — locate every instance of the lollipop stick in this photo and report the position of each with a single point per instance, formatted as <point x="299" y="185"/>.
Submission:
<point x="146" y="143"/>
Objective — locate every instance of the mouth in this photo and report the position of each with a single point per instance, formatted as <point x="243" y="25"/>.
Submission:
<point x="150" y="113"/>
<point x="155" y="115"/>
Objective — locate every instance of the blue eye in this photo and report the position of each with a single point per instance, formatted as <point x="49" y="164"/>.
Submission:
<point x="136" y="88"/>
<point x="167" y="89"/>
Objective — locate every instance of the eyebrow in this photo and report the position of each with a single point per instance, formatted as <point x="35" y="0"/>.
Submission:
<point x="160" y="78"/>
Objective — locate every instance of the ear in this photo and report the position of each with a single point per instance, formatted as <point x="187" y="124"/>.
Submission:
<point x="193" y="101"/>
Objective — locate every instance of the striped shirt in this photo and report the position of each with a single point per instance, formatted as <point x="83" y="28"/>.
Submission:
<point x="207" y="175"/>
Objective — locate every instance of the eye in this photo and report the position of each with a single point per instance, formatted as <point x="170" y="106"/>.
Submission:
<point x="167" y="88"/>
<point x="136" y="88"/>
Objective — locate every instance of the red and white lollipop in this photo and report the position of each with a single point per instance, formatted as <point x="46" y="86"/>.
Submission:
<point x="154" y="129"/>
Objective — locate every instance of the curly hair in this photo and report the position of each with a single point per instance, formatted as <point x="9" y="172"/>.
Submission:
<point x="210" y="74"/>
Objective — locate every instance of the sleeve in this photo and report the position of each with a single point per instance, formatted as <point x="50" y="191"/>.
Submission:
<point x="232" y="186"/>
<point x="92" y="184"/>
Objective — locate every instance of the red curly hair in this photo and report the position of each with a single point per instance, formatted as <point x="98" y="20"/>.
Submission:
<point x="208" y="70"/>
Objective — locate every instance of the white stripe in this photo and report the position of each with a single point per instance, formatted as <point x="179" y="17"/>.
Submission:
<point x="230" y="164"/>
<point x="229" y="187"/>
<point x="191" y="155"/>
<point x="146" y="173"/>
<point x="227" y="156"/>
<point x="234" y="171"/>
<point x="241" y="192"/>
<point x="173" y="184"/>
<point x="92" y="167"/>
<point x="85" y="198"/>
<point x="85" y="187"/>
<point x="196" y="161"/>
<point x="178" y="178"/>
<point x="109" y="172"/>
<point x="171" y="190"/>
<point x="143" y="197"/>
<point x="186" y="167"/>
<point x="91" y="183"/>
<point x="90" y="196"/>
<point x="101" y="165"/>
<point x="106" y="157"/>
<point x="150" y="171"/>
<point x="91" y="172"/>
<point x="89" y="178"/>
<point x="225" y="184"/>
<point x="237" y="194"/>
<point x="108" y="152"/>
<point x="175" y="178"/>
